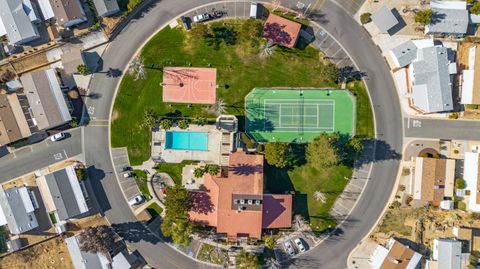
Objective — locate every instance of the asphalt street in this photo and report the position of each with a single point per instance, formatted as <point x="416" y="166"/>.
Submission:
<point x="442" y="129"/>
<point x="335" y="18"/>
<point x="39" y="155"/>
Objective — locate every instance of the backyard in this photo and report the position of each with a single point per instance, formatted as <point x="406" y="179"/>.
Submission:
<point x="238" y="72"/>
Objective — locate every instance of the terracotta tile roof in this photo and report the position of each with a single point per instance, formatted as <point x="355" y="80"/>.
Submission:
<point x="277" y="211"/>
<point x="290" y="27"/>
<point x="398" y="257"/>
<point x="219" y="204"/>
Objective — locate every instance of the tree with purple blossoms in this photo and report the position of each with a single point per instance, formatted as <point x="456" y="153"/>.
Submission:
<point x="274" y="33"/>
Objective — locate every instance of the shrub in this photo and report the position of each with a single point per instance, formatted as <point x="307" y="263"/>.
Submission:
<point x="461" y="205"/>
<point x="260" y="148"/>
<point x="270" y="242"/>
<point x="424" y="17"/>
<point x="453" y="116"/>
<point x="83" y="69"/>
<point x="246" y="140"/>
<point x="395" y="204"/>
<point x="166" y="124"/>
<point x="183" y="124"/>
<point x="366" y="18"/>
<point x="460" y="183"/>
<point x="475" y="9"/>
<point x="73" y="123"/>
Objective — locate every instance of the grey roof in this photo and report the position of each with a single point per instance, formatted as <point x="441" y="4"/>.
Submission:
<point x="83" y="259"/>
<point x="63" y="194"/>
<point x="20" y="216"/>
<point x="106" y="7"/>
<point x="448" y="21"/>
<point x="384" y="19"/>
<point x="45" y="98"/>
<point x="17" y="24"/>
<point x="449" y="253"/>
<point x="431" y="86"/>
<point x="405" y="53"/>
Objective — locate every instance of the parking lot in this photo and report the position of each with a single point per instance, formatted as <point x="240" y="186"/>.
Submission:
<point x="120" y="162"/>
<point x="281" y="251"/>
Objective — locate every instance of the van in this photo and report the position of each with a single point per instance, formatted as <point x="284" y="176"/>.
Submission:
<point x="253" y="10"/>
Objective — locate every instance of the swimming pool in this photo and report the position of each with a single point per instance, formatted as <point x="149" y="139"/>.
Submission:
<point x="186" y="140"/>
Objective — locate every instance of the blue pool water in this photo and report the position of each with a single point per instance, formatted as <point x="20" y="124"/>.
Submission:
<point x="186" y="140"/>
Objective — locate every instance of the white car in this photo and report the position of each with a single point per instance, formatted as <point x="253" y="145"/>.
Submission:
<point x="299" y="244"/>
<point x="201" y="17"/>
<point x="136" y="200"/>
<point x="289" y="249"/>
<point x="58" y="137"/>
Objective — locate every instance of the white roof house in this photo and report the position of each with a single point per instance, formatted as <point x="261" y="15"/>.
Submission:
<point x="449" y="18"/>
<point x="429" y="70"/>
<point x="17" y="19"/>
<point x="472" y="179"/>
<point x="384" y="19"/>
<point x="470" y="91"/>
<point x="447" y="254"/>
<point x="17" y="209"/>
<point x="448" y="4"/>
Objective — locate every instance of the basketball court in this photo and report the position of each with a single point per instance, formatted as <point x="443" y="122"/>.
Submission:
<point x="293" y="115"/>
<point x="189" y="85"/>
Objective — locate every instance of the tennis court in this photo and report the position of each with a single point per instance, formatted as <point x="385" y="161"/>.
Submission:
<point x="298" y="115"/>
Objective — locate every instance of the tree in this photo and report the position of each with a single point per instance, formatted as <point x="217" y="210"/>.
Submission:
<point x="181" y="231"/>
<point x="267" y="49"/>
<point x="366" y="18"/>
<point x="246" y="260"/>
<point x="183" y="124"/>
<point x="320" y="196"/>
<point x="97" y="239"/>
<point x="460" y="183"/>
<point x="83" y="69"/>
<point x="274" y="33"/>
<point x="424" y="17"/>
<point x="212" y="169"/>
<point x="137" y="68"/>
<point x="166" y="124"/>
<point x="220" y="107"/>
<point x="177" y="202"/>
<point x="198" y="172"/>
<point x="270" y="242"/>
<point x="475" y="9"/>
<point x="73" y="123"/>
<point x="149" y="118"/>
<point x="278" y="154"/>
<point x="324" y="151"/>
<point x="356" y="144"/>
<point x="200" y="121"/>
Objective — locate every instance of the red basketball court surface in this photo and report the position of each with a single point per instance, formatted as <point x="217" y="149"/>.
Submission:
<point x="189" y="85"/>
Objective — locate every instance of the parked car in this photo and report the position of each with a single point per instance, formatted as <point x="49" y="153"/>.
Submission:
<point x="201" y="17"/>
<point x="300" y="245"/>
<point x="289" y="249"/>
<point x="58" y="137"/>
<point x="186" y="22"/>
<point x="136" y="200"/>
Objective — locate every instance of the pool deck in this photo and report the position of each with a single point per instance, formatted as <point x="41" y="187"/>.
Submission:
<point x="212" y="155"/>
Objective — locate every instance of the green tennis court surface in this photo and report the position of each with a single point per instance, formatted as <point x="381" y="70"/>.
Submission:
<point x="294" y="115"/>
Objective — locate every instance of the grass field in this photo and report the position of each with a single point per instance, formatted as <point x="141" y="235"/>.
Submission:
<point x="173" y="169"/>
<point x="154" y="210"/>
<point x="141" y="180"/>
<point x="303" y="181"/>
<point x="285" y="68"/>
<point x="298" y="115"/>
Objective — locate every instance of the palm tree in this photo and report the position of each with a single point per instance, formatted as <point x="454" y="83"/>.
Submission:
<point x="267" y="49"/>
<point x="137" y="68"/>
<point x="220" y="107"/>
<point x="198" y="172"/>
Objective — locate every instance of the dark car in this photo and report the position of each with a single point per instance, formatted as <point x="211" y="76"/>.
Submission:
<point x="186" y="22"/>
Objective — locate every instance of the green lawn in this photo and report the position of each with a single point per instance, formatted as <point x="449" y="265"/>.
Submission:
<point x="142" y="183"/>
<point x="303" y="181"/>
<point x="154" y="210"/>
<point x="364" y="120"/>
<point x="173" y="169"/>
<point x="242" y="73"/>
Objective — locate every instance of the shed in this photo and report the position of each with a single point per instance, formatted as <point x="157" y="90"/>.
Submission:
<point x="384" y="19"/>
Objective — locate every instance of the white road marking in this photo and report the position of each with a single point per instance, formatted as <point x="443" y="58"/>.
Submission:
<point x="66" y="156"/>
<point x="58" y="156"/>
<point x="91" y="110"/>
<point x="417" y="123"/>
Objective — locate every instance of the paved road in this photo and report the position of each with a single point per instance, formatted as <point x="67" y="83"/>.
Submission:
<point x="40" y="155"/>
<point x="444" y="129"/>
<point x="333" y="252"/>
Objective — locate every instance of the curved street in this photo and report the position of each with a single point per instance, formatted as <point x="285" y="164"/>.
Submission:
<point x="337" y="21"/>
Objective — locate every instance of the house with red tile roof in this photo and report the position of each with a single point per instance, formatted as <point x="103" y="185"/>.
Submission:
<point x="233" y="201"/>
<point x="281" y="31"/>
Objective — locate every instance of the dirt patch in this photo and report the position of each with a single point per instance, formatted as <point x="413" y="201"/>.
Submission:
<point x="471" y="113"/>
<point x="30" y="62"/>
<point x="109" y="23"/>
<point x="115" y="115"/>
<point x="49" y="254"/>
<point x="462" y="55"/>
<point x="135" y="152"/>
